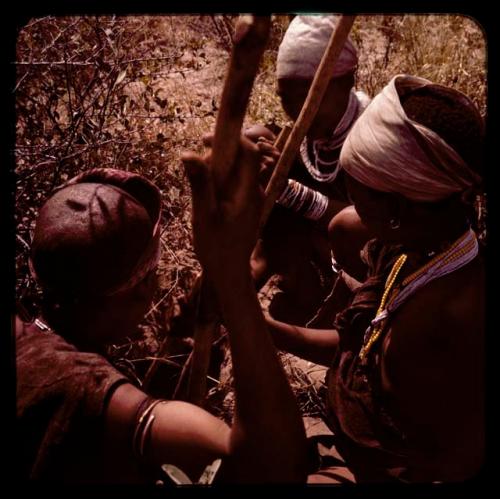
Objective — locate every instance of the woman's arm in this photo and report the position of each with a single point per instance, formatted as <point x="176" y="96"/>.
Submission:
<point x="267" y="439"/>
<point x="316" y="345"/>
<point x="266" y="442"/>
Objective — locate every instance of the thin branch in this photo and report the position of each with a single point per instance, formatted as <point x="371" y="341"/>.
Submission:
<point x="83" y="63"/>
<point x="52" y="63"/>
<point x="176" y="280"/>
<point x="120" y="152"/>
<point x="74" y="126"/>
<point x="18" y="84"/>
<point x="162" y="360"/>
<point x="33" y="169"/>
<point x="36" y="21"/>
<point x="102" y="117"/>
<point x="66" y="69"/>
<point x="52" y="43"/>
<point x="25" y="244"/>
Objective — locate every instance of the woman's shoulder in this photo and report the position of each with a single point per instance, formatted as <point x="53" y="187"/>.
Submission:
<point x="45" y="359"/>
<point x="448" y="312"/>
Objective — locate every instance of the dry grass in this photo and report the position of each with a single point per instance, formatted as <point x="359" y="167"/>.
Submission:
<point x="446" y="49"/>
<point x="133" y="92"/>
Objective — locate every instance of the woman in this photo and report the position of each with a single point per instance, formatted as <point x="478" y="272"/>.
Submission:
<point x="405" y="390"/>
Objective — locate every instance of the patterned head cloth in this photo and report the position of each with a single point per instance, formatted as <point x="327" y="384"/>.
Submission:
<point x="98" y="234"/>
<point x="304" y="44"/>
<point x="389" y="152"/>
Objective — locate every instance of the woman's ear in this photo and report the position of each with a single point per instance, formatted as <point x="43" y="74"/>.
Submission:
<point x="397" y="209"/>
<point x="469" y="196"/>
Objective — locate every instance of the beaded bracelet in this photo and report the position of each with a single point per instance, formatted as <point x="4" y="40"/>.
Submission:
<point x="305" y="201"/>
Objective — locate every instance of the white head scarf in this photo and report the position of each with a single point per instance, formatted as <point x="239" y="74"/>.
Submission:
<point x="388" y="152"/>
<point x="304" y="44"/>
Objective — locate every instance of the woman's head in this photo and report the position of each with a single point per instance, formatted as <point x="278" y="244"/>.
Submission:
<point x="452" y="116"/>
<point x="94" y="250"/>
<point x="293" y="93"/>
<point x="299" y="56"/>
<point x="412" y="156"/>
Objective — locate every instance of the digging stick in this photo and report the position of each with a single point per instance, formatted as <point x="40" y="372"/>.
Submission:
<point x="311" y="105"/>
<point x="195" y="294"/>
<point x="290" y="139"/>
<point x="197" y="382"/>
<point x="250" y="38"/>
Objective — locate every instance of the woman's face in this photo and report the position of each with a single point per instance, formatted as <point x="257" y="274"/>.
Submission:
<point x="375" y="208"/>
<point x="293" y="93"/>
<point x="125" y="311"/>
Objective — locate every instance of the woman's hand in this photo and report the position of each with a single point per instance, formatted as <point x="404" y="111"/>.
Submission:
<point x="225" y="219"/>
<point x="268" y="159"/>
<point x="265" y="140"/>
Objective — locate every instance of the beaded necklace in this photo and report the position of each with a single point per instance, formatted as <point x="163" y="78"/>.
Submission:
<point x="376" y="329"/>
<point x="354" y="108"/>
<point x="461" y="252"/>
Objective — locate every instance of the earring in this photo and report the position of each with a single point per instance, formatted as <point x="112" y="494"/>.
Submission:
<point x="394" y="223"/>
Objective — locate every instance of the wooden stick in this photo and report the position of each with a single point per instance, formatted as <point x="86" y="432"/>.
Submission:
<point x="251" y="35"/>
<point x="178" y="391"/>
<point x="291" y="138"/>
<point x="311" y="105"/>
<point x="250" y="38"/>
<point x="195" y="292"/>
<point x="162" y="351"/>
<point x="280" y="142"/>
<point x="205" y="332"/>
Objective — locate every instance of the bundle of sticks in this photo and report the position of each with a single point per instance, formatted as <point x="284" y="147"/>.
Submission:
<point x="250" y="38"/>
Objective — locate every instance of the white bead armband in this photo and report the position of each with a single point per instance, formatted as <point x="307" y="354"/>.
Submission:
<point x="307" y="202"/>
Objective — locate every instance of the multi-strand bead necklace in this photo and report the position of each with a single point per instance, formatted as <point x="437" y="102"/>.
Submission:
<point x="323" y="170"/>
<point x="461" y="252"/>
